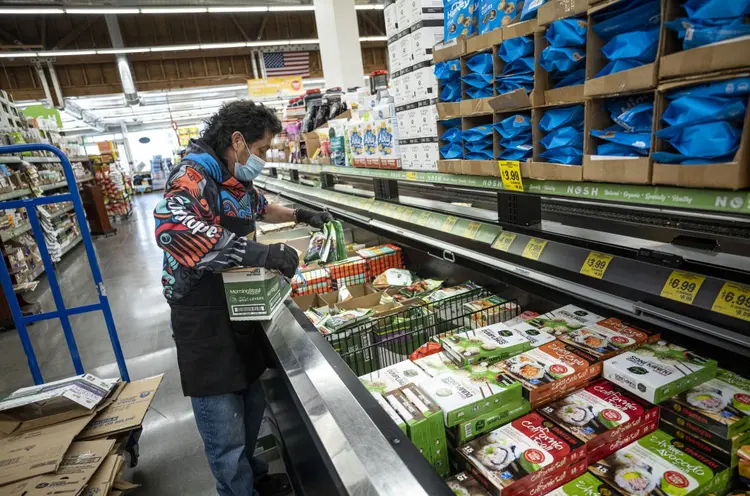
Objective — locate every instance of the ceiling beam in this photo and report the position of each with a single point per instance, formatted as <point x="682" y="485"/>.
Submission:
<point x="73" y="35"/>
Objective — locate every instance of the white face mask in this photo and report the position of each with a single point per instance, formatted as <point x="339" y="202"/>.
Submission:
<point x="250" y="169"/>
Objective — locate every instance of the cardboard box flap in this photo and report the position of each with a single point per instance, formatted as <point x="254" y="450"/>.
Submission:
<point x="555" y="172"/>
<point x="524" y="28"/>
<point x="484" y="41"/>
<point x="629" y="170"/>
<point x="517" y="99"/>
<point x="447" y="50"/>
<point x="104" y="476"/>
<point x="636" y="79"/>
<point x="702" y="79"/>
<point x="727" y="54"/>
<point x="448" y="110"/>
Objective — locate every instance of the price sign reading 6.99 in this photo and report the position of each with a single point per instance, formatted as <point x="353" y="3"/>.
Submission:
<point x="682" y="286"/>
<point x="733" y="300"/>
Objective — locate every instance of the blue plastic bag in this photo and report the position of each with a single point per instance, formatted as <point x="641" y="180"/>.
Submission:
<point x="530" y="8"/>
<point x="731" y="87"/>
<point x="716" y="9"/>
<point x="513" y="126"/>
<point x="572" y="78"/>
<point x="710" y="140"/>
<point x="639" y="141"/>
<point x="635" y="45"/>
<point x="477" y="80"/>
<point x="452" y="123"/>
<point x="451" y="151"/>
<point x="451" y="92"/>
<point x="559" y="117"/>
<point x="507" y="84"/>
<point x="448" y="69"/>
<point x="630" y="16"/>
<point x="617" y="150"/>
<point x="519" y="155"/>
<point x="562" y="137"/>
<point x="474" y="93"/>
<point x="483" y="155"/>
<point x="638" y="119"/>
<point x="562" y="59"/>
<point x="459" y="18"/>
<point x="521" y="143"/>
<point x="569" y="32"/>
<point x="564" y="155"/>
<point x="618" y="66"/>
<point x="689" y="111"/>
<point x="480" y="63"/>
<point x="676" y="158"/>
<point x="695" y="33"/>
<point x="513" y="48"/>
<point x="477" y="132"/>
<point x="522" y="65"/>
<point x="618" y="106"/>
<point x="479" y="146"/>
<point x="452" y="135"/>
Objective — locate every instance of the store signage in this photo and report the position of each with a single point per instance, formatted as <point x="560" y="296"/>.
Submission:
<point x="504" y="241"/>
<point x="733" y="300"/>
<point x="596" y="264"/>
<point x="424" y="218"/>
<point x="411" y="176"/>
<point x="682" y="286"/>
<point x="471" y="230"/>
<point x="534" y="248"/>
<point x="510" y="174"/>
<point x="275" y="87"/>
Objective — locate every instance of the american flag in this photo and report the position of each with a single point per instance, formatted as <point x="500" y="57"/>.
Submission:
<point x="287" y="64"/>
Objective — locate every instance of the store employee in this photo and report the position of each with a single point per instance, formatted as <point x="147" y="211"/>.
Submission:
<point x="206" y="224"/>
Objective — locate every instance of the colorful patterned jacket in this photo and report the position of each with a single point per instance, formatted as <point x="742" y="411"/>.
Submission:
<point x="188" y="229"/>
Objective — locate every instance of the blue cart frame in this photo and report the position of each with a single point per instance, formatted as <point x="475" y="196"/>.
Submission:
<point x="61" y="312"/>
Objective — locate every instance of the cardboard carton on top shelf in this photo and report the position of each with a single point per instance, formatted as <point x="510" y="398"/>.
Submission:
<point x="629" y="170"/>
<point x="447" y="50"/>
<point x="548" y="170"/>
<point x="484" y="41"/>
<point x="517" y="99"/>
<point x="471" y="106"/>
<point x="450" y="166"/>
<point x="732" y="175"/>
<point x="543" y="84"/>
<point x="448" y="110"/>
<point x="676" y="62"/>
<point x="560" y="9"/>
<point x="480" y="168"/>
<point x="639" y="78"/>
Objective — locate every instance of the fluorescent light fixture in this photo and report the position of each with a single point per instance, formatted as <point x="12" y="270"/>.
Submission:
<point x="291" y="8"/>
<point x="174" y="10"/>
<point x="66" y="53"/>
<point x="12" y="55"/>
<point x="369" y="7"/>
<point x="171" y="48"/>
<point x="110" y="51"/>
<point x="308" y="41"/>
<point x="30" y="11"/>
<point x="210" y="46"/>
<point x="373" y="38"/>
<point x="113" y="10"/>
<point x="230" y="10"/>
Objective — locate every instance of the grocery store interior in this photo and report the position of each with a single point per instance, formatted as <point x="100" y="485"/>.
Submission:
<point x="519" y="236"/>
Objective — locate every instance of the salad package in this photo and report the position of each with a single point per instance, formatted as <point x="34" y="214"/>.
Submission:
<point x="608" y="338"/>
<point x="490" y="310"/>
<point x="518" y="457"/>
<point x="599" y="414"/>
<point x="486" y="344"/>
<point x="658" y="371"/>
<point x="467" y="430"/>
<point x="393" y="377"/>
<point x="565" y="319"/>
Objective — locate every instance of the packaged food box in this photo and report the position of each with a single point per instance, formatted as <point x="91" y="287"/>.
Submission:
<point x="514" y="458"/>
<point x="522" y="317"/>
<point x="536" y="337"/>
<point x="390" y="411"/>
<point x="720" y="405"/>
<point x="704" y="439"/>
<point x="693" y="441"/>
<point x="658" y="371"/>
<point x="585" y="485"/>
<point x="492" y="343"/>
<point x="381" y="258"/>
<point x="658" y="464"/>
<point x="464" y="484"/>
<point x="548" y="371"/>
<point x="608" y="337"/>
<point x="254" y="293"/>
<point x="565" y="319"/>
<point x="435" y="364"/>
<point x="463" y="395"/>
<point x="467" y="430"/>
<point x="600" y="413"/>
<point x="393" y="377"/>
<point x="490" y="310"/>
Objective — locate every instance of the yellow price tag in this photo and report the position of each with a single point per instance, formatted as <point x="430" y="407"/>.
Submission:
<point x="472" y="229"/>
<point x="504" y="241"/>
<point x="424" y="218"/>
<point x="448" y="224"/>
<point x="411" y="176"/>
<point x="534" y="248"/>
<point x="407" y="213"/>
<point x="596" y="264"/>
<point x="510" y="174"/>
<point x="733" y="300"/>
<point x="682" y="286"/>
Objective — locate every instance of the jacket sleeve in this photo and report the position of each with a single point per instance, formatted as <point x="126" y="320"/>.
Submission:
<point x="188" y="230"/>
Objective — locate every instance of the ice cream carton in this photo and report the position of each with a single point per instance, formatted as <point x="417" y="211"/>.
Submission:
<point x="608" y="338"/>
<point x="393" y="377"/>
<point x="565" y="319"/>
<point x="485" y="344"/>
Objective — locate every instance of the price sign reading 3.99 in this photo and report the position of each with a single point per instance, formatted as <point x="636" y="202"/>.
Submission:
<point x="596" y="264"/>
<point x="682" y="286"/>
<point x="733" y="300"/>
<point x="510" y="174"/>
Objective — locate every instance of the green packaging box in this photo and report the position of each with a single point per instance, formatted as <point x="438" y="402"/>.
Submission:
<point x="491" y="343"/>
<point x="537" y="337"/>
<point x="254" y="293"/>
<point x="467" y="430"/>
<point x="393" y="377"/>
<point x="463" y="484"/>
<point x="565" y="319"/>
<point x="390" y="411"/>
<point x="436" y="364"/>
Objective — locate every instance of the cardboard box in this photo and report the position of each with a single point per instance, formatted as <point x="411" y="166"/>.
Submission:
<point x="395" y="62"/>
<point x="543" y="85"/>
<point x="104" y="477"/>
<point x="731" y="175"/>
<point x="254" y="293"/>
<point x="560" y="9"/>
<point x="640" y="78"/>
<point x="518" y="99"/>
<point x="430" y="155"/>
<point x="485" y="344"/>
<point x="487" y="168"/>
<point x="676" y="62"/>
<point x="469" y="429"/>
<point x="390" y="16"/>
<point x="393" y="377"/>
<point x="425" y="34"/>
<point x="450" y="166"/>
<point x="448" y="110"/>
<point x="447" y="50"/>
<point x="484" y="41"/>
<point x="475" y="106"/>
<point x="548" y="170"/>
<point x="403" y="13"/>
<point x="126" y="413"/>
<point x="608" y="338"/>
<point x="564" y="320"/>
<point x="728" y="458"/>
<point x="425" y="10"/>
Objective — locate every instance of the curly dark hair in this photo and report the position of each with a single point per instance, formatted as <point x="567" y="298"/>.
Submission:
<point x="251" y="119"/>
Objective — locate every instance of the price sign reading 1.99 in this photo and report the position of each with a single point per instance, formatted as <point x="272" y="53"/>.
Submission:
<point x="596" y="264"/>
<point x="510" y="174"/>
<point x="682" y="286"/>
<point x="733" y="300"/>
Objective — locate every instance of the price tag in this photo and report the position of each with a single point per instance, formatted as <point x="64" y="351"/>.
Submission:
<point x="510" y="174"/>
<point x="504" y="241"/>
<point x="411" y="176"/>
<point x="682" y="286"/>
<point x="534" y="248"/>
<point x="733" y="300"/>
<point x="472" y="229"/>
<point x="596" y="264"/>
<point x="424" y="218"/>
<point x="407" y="213"/>
<point x="448" y="224"/>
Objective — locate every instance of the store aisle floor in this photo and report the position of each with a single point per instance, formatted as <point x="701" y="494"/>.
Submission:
<point x="172" y="460"/>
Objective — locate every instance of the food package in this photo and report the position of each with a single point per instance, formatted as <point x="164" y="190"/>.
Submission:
<point x="390" y="411"/>
<point x="467" y="430"/>
<point x="417" y="289"/>
<point x="341" y="320"/>
<point x="489" y="310"/>
<point x="381" y="258"/>
<point x="536" y="337"/>
<point x="464" y="484"/>
<point x="393" y="377"/>
<point x="311" y="281"/>
<point x="485" y="344"/>
<point x="394" y="277"/>
<point x="565" y="319"/>
<point x="608" y="338"/>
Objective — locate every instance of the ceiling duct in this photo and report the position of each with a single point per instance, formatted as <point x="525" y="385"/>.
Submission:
<point x="123" y="65"/>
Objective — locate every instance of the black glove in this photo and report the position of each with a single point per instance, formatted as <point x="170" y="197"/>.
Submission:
<point x="283" y="258"/>
<point x="313" y="218"/>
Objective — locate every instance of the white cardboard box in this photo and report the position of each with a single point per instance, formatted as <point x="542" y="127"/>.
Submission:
<point x="408" y="89"/>
<point x="430" y="156"/>
<point x="393" y="57"/>
<point x="423" y="39"/>
<point x="403" y="125"/>
<point x="427" y="121"/>
<point x="390" y="14"/>
<point x="426" y="84"/>
<point x="403" y="21"/>
<point x="421" y="10"/>
<point x="405" y="51"/>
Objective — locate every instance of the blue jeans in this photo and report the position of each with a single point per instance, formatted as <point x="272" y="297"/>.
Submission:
<point x="228" y="425"/>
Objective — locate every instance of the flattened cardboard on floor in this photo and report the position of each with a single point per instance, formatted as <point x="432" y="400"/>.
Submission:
<point x="127" y="412"/>
<point x="560" y="9"/>
<point x="104" y="477"/>
<point x="38" y="451"/>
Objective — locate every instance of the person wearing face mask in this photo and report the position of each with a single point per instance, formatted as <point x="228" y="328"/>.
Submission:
<point x="206" y="224"/>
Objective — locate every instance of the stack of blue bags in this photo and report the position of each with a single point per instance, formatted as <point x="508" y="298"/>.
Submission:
<point x="452" y="136"/>
<point x="515" y="137"/>
<point x="704" y="123"/>
<point x="479" y="80"/>
<point x="529" y="9"/>
<point x="565" y="58"/>
<point x="518" y="55"/>
<point x="448" y="74"/>
<point x="630" y="136"/>
<point x="563" y="140"/>
<point x="711" y="21"/>
<point x="478" y="143"/>
<point x="631" y="33"/>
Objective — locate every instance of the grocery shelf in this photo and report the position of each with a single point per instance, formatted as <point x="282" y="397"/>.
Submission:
<point x="15" y="232"/>
<point x="41" y="160"/>
<point x="70" y="246"/>
<point x="61" y="212"/>
<point x="63" y="184"/>
<point x="9" y="159"/>
<point x="16" y="193"/>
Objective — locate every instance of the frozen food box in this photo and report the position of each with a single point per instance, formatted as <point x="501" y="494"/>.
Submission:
<point x="720" y="405"/>
<point x="485" y="344"/>
<point x="514" y="458"/>
<point x="600" y="413"/>
<point x="393" y="377"/>
<point x="536" y="337"/>
<point x="565" y="319"/>
<point x="658" y="371"/>
<point x="585" y="485"/>
<point x="463" y="484"/>
<point x="489" y="310"/>
<point x="608" y="338"/>
<point x="390" y="411"/>
<point x="465" y="394"/>
<point x="522" y="317"/>
<point x="467" y="430"/>
<point x="693" y="441"/>
<point x="549" y="371"/>
<point x="435" y="364"/>
<point x="658" y="464"/>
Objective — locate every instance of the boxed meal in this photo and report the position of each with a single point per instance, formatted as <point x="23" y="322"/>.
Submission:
<point x="486" y="344"/>
<point x="393" y="377"/>
<point x="720" y="406"/>
<point x="658" y="371"/>
<point x="254" y="293"/>
<point x="658" y="464"/>
<point x="514" y="458"/>
<point x="548" y="371"/>
<point x="691" y="435"/>
<point x="608" y="338"/>
<point x="464" y="484"/>
<point x="467" y="430"/>
<point x="585" y="485"/>
<point x="490" y="310"/>
<point x="435" y="364"/>
<point x="536" y="337"/>
<point x="600" y="413"/>
<point x="522" y="317"/>
<point x="463" y="394"/>
<point x="565" y="319"/>
<point x="390" y="411"/>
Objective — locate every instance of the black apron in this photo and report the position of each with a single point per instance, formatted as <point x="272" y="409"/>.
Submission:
<point x="214" y="354"/>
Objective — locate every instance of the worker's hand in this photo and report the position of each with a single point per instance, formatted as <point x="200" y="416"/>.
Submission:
<point x="313" y="218"/>
<point x="283" y="258"/>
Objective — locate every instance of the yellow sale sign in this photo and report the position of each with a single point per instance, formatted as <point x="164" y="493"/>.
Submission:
<point x="275" y="86"/>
